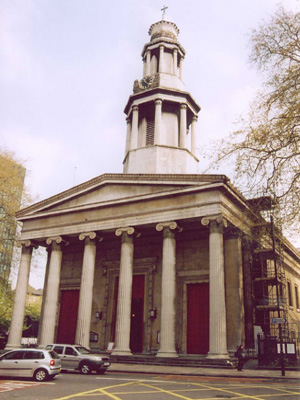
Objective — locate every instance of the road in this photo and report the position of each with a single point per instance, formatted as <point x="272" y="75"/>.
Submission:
<point x="122" y="386"/>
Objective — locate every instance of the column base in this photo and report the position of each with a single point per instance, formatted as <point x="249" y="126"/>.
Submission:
<point x="217" y="356"/>
<point x="169" y="354"/>
<point x="119" y="352"/>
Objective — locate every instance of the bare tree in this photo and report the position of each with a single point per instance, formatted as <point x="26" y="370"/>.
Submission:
<point x="266" y="147"/>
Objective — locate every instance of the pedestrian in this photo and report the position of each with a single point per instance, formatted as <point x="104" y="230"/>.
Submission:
<point x="240" y="355"/>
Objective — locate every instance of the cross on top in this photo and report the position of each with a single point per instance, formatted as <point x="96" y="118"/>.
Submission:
<point x="164" y="11"/>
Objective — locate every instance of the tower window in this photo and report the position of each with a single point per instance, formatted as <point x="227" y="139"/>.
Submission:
<point x="150" y="132"/>
<point x="297" y="297"/>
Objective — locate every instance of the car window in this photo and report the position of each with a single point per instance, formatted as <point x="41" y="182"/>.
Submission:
<point x="53" y="355"/>
<point x="70" y="351"/>
<point x="58" y="349"/>
<point x="82" y="350"/>
<point x="33" y="355"/>
<point x="14" y="355"/>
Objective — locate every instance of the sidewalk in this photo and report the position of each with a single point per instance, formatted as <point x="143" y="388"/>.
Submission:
<point x="215" y="372"/>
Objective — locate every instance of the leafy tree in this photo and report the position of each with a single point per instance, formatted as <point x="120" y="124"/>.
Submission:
<point x="12" y="175"/>
<point x="267" y="145"/>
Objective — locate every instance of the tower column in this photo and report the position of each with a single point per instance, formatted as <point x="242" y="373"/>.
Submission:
<point x="161" y="66"/>
<point x="183" y="110"/>
<point x="52" y="295"/>
<point x="217" y="300"/>
<point x="180" y="69"/>
<point x="17" y="319"/>
<point x="157" y="122"/>
<point x="86" y="289"/>
<point x="134" y="128"/>
<point x="124" y="292"/>
<point x="148" y="63"/>
<point x="175" y="62"/>
<point x="167" y="325"/>
<point x="128" y="136"/>
<point x="194" y="135"/>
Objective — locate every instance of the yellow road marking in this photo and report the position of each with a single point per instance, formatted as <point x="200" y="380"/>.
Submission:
<point x="169" y="392"/>
<point x="229" y="391"/>
<point x="87" y="393"/>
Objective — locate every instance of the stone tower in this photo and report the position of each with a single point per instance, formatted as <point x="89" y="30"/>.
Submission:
<point x="161" y="115"/>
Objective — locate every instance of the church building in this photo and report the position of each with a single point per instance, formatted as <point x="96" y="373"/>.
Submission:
<point x="158" y="259"/>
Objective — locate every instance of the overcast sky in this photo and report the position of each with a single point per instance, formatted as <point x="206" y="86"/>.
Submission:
<point x="67" y="68"/>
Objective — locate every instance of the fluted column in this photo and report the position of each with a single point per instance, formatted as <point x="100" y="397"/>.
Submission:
<point x="134" y="128"/>
<point x="167" y="326"/>
<point x="183" y="127"/>
<point x="122" y="340"/>
<point x="194" y="135"/>
<point x="18" y="313"/>
<point x="86" y="289"/>
<point x="217" y="301"/>
<point x="52" y="295"/>
<point x="161" y="59"/>
<point x="148" y="63"/>
<point x="157" y="122"/>
<point x="175" y="62"/>
<point x="128" y="136"/>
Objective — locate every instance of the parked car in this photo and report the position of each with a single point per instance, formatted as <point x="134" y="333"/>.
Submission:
<point x="36" y="363"/>
<point x="75" y="357"/>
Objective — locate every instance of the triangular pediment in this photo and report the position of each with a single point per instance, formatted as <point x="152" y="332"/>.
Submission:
<point x="112" y="189"/>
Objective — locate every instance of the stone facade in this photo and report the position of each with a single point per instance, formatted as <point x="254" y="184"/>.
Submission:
<point x="155" y="260"/>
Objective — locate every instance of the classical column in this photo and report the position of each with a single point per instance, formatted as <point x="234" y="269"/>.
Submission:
<point x="247" y="261"/>
<point x="183" y="127"/>
<point x="217" y="301"/>
<point x="194" y="135"/>
<point x="134" y="128"/>
<point x="180" y="68"/>
<point x="161" y="59"/>
<point x="157" y="122"/>
<point x="148" y="63"/>
<point x="167" y="326"/>
<point x="52" y="295"/>
<point x="122" y="340"/>
<point x="18" y="313"/>
<point x="175" y="62"/>
<point x="86" y="289"/>
<point x="48" y="249"/>
<point x="128" y="134"/>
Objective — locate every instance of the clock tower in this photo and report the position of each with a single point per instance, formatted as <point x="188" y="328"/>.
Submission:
<point x="161" y="115"/>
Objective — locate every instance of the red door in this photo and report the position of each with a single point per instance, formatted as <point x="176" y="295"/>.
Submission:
<point x="68" y="316"/>
<point x="198" y="318"/>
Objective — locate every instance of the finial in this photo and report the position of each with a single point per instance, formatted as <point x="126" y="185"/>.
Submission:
<point x="164" y="11"/>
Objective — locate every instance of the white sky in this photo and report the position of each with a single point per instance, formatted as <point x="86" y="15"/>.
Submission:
<point x="67" y="68"/>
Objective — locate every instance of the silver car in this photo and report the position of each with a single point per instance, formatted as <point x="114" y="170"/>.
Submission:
<point x="36" y="363"/>
<point x="75" y="357"/>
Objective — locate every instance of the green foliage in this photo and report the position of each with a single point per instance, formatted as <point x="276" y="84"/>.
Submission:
<point x="266" y="148"/>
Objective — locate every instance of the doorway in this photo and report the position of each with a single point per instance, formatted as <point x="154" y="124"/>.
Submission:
<point x="197" y="318"/>
<point x="68" y="316"/>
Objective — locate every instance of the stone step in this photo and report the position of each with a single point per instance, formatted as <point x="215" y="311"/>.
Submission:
<point x="177" y="362"/>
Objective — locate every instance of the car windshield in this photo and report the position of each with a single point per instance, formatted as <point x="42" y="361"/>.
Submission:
<point x="82" y="350"/>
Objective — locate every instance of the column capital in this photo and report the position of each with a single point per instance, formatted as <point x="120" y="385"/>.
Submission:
<point x="183" y="106"/>
<point x="171" y="225"/>
<point x="128" y="120"/>
<point x="57" y="240"/>
<point x="158" y="101"/>
<point x="219" y="219"/>
<point x="90" y="236"/>
<point x="26" y="243"/>
<point x="135" y="108"/>
<point x="195" y="118"/>
<point x="129" y="230"/>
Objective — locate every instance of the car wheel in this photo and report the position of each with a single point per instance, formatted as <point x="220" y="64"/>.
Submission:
<point x="40" y="375"/>
<point x="85" y="368"/>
